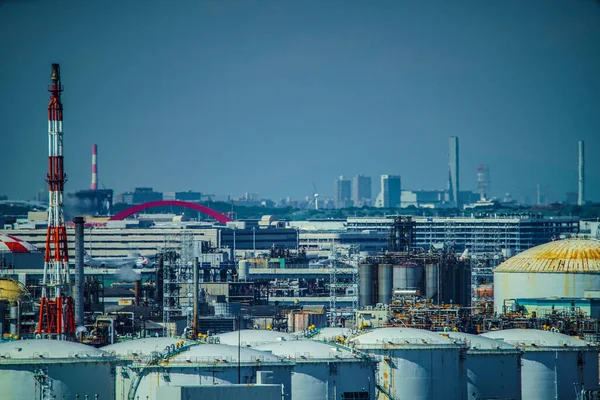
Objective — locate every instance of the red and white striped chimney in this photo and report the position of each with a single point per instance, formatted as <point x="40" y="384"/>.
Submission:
<point x="94" y="167"/>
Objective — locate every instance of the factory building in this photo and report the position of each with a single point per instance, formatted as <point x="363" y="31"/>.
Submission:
<point x="554" y="366"/>
<point x="16" y="253"/>
<point x="561" y="269"/>
<point x="54" y="369"/>
<point x="478" y="234"/>
<point x="122" y="238"/>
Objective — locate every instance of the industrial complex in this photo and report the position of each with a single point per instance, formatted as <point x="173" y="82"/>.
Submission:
<point x="144" y="305"/>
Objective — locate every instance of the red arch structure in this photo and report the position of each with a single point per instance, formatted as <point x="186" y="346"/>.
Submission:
<point x="222" y="218"/>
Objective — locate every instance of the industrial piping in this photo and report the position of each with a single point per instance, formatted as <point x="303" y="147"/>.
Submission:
<point x="79" y="273"/>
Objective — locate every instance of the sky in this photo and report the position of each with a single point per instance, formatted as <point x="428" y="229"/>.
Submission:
<point x="227" y="97"/>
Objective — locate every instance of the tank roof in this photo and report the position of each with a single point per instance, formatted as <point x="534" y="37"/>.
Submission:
<point x="478" y="342"/>
<point x="408" y="336"/>
<point x="214" y="352"/>
<point x="253" y="337"/>
<point x="560" y="256"/>
<point x="140" y="346"/>
<point x="535" y="338"/>
<point x="329" y="334"/>
<point x="306" y="349"/>
<point x="45" y="348"/>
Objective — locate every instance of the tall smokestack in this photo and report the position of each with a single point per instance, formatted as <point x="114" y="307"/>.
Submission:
<point x="453" y="167"/>
<point x="581" y="191"/>
<point x="94" y="185"/>
<point x="79" y="274"/>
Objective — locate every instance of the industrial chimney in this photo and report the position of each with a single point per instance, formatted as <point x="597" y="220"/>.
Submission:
<point x="581" y="189"/>
<point x="94" y="185"/>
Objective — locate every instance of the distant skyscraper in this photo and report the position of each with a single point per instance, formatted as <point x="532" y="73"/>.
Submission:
<point x="453" y="185"/>
<point x="391" y="190"/>
<point x="342" y="192"/>
<point x="361" y="190"/>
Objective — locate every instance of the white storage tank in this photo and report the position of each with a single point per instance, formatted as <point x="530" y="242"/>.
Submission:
<point x="243" y="270"/>
<point x="415" y="364"/>
<point x="563" y="268"/>
<point x="192" y="365"/>
<point x="31" y="369"/>
<point x="253" y="337"/>
<point x="331" y="334"/>
<point x="554" y="365"/>
<point x="323" y="371"/>
<point x="485" y="355"/>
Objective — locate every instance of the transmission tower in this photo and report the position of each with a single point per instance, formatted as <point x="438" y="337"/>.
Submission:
<point x="57" y="316"/>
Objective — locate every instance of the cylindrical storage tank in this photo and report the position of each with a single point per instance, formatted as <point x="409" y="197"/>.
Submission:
<point x="198" y="364"/>
<point x="58" y="369"/>
<point x="253" y="337"/>
<point x="553" y="364"/>
<point x="485" y="355"/>
<point x="244" y="270"/>
<point x="332" y="334"/>
<point x="10" y="290"/>
<point x="384" y="283"/>
<point x="415" y="364"/>
<point x="432" y="281"/>
<point x="365" y="289"/>
<point x="324" y="371"/>
<point x="408" y="276"/>
<point x="563" y="268"/>
<point x="227" y="309"/>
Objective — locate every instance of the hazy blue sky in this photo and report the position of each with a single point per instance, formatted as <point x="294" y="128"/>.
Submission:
<point x="268" y="96"/>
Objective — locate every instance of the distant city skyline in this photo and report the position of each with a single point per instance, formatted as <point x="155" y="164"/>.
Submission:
<point x="270" y="96"/>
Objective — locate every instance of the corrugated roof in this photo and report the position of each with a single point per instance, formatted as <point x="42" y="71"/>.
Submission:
<point x="536" y="338"/>
<point x="46" y="349"/>
<point x="560" y="256"/>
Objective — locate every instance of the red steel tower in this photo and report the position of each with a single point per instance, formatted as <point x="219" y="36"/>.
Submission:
<point x="57" y="316"/>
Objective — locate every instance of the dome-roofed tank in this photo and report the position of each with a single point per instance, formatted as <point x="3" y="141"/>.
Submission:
<point x="553" y="365"/>
<point x="485" y="355"/>
<point x="332" y="334"/>
<point x="563" y="268"/>
<point x="325" y="371"/>
<point x="11" y="290"/>
<point x="253" y="337"/>
<point x="194" y="364"/>
<point x="415" y="364"/>
<point x="56" y="368"/>
<point x="140" y="347"/>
